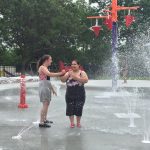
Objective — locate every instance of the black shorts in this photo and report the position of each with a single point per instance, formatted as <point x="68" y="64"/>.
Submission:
<point x="74" y="106"/>
<point x="75" y="99"/>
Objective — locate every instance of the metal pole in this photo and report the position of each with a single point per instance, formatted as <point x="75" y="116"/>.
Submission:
<point x="114" y="57"/>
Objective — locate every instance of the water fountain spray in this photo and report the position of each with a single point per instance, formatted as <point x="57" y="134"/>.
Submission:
<point x="146" y="136"/>
<point x="132" y="107"/>
<point x="24" y="130"/>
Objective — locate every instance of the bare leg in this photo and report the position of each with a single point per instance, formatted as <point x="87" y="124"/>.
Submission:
<point x="44" y="111"/>
<point x="78" y="121"/>
<point x="71" y="121"/>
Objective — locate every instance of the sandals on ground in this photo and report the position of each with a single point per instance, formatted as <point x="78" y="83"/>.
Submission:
<point x="44" y="125"/>
<point x="72" y="125"/>
<point x="47" y="121"/>
<point x="78" y="125"/>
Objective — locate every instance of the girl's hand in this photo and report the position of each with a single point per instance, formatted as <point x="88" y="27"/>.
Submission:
<point x="73" y="76"/>
<point x="54" y="92"/>
<point x="63" y="72"/>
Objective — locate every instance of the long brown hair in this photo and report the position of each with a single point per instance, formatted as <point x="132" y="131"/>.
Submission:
<point x="42" y="60"/>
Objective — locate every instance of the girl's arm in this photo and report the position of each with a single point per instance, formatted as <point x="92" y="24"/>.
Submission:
<point x="65" y="77"/>
<point x="51" y="74"/>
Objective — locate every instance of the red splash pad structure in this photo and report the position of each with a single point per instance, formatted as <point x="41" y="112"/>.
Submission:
<point x="112" y="16"/>
<point x="22" y="103"/>
<point x="108" y="23"/>
<point x="96" y="30"/>
<point x="112" y="13"/>
<point x="129" y="20"/>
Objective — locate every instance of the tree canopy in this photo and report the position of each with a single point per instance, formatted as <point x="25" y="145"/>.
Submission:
<point x="31" y="28"/>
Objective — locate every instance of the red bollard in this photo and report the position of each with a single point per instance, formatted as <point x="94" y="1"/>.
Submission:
<point x="22" y="93"/>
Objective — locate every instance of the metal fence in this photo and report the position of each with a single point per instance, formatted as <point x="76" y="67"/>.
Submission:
<point x="11" y="71"/>
<point x="30" y="69"/>
<point x="8" y="71"/>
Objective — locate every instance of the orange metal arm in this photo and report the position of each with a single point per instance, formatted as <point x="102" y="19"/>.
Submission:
<point x="107" y="11"/>
<point x="127" y="8"/>
<point x="116" y="8"/>
<point x="114" y="11"/>
<point x="97" y="17"/>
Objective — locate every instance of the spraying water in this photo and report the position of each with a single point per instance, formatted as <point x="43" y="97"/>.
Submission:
<point x="132" y="108"/>
<point x="114" y="57"/>
<point x="146" y="136"/>
<point x="24" y="130"/>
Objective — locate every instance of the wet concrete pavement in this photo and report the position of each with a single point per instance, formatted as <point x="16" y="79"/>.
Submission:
<point x="101" y="129"/>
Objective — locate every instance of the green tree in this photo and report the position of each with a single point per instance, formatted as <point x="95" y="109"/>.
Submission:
<point x="36" y="27"/>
